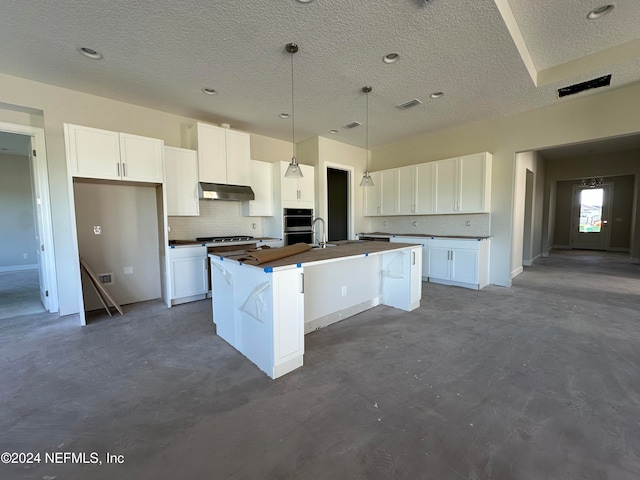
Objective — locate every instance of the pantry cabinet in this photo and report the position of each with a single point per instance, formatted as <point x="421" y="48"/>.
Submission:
<point x="262" y="186"/>
<point x="108" y="155"/>
<point x="181" y="168"/>
<point x="224" y="155"/>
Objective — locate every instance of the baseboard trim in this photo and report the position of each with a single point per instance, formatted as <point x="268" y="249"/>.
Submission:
<point x="19" y="268"/>
<point x="619" y="249"/>
<point x="562" y="247"/>
<point x="528" y="263"/>
<point x="517" y="271"/>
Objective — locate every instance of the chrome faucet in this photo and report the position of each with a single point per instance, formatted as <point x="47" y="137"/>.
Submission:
<point x="323" y="241"/>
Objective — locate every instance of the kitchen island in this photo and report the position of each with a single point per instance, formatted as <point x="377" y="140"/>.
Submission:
<point x="264" y="310"/>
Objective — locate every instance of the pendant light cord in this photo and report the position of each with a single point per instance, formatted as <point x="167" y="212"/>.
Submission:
<point x="293" y="115"/>
<point x="366" y="148"/>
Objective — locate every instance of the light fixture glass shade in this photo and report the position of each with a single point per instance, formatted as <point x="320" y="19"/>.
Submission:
<point x="366" y="181"/>
<point x="293" y="170"/>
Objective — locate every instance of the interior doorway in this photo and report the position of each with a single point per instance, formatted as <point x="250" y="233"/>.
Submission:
<point x="590" y="212"/>
<point x="24" y="146"/>
<point x="337" y="204"/>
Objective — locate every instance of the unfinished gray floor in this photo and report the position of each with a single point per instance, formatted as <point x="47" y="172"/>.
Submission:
<point x="19" y="294"/>
<point x="540" y="381"/>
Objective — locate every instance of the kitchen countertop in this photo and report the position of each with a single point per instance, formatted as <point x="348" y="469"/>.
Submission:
<point x="193" y="243"/>
<point x="419" y="235"/>
<point x="317" y="255"/>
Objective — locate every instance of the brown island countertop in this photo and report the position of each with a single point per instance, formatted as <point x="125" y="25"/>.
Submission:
<point x="348" y="248"/>
<point x="420" y="235"/>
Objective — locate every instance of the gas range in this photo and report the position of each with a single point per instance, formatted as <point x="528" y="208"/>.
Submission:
<point x="224" y="239"/>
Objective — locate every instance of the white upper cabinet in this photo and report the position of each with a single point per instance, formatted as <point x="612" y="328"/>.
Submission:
<point x="181" y="167"/>
<point x="425" y="188"/>
<point x="389" y="191"/>
<point x="446" y="173"/>
<point x="297" y="191"/>
<point x="262" y="186"/>
<point x="224" y="155"/>
<point x="107" y="155"/>
<point x="141" y="158"/>
<point x="372" y="206"/>
<point x="463" y="184"/>
<point x="407" y="190"/>
<point x="475" y="183"/>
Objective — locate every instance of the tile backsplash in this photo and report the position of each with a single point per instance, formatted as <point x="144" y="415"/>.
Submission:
<point x="217" y="218"/>
<point x="460" y="224"/>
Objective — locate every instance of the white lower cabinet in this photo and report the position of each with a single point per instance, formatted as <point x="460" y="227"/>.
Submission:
<point x="420" y="241"/>
<point x="189" y="274"/>
<point x="460" y="262"/>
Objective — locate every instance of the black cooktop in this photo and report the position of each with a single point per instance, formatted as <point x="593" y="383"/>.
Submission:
<point x="225" y="238"/>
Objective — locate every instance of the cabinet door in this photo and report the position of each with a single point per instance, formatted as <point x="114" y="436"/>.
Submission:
<point x="446" y="172"/>
<point x="238" y="151"/>
<point x="181" y="168"/>
<point x="439" y="262"/>
<point x="424" y="194"/>
<point x="212" y="158"/>
<point x="289" y="186"/>
<point x="464" y="266"/>
<point x="141" y="158"/>
<point x="261" y="184"/>
<point x="189" y="276"/>
<point x="389" y="192"/>
<point x="307" y="184"/>
<point x="473" y="183"/>
<point x="416" y="275"/>
<point x="92" y="153"/>
<point x="372" y="196"/>
<point x="406" y="190"/>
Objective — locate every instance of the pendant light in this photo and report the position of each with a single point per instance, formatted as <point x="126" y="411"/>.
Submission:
<point x="366" y="181"/>
<point x="293" y="170"/>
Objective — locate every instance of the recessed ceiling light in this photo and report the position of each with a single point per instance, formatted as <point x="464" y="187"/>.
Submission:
<point x="600" y="11"/>
<point x="90" y="53"/>
<point x="209" y="91"/>
<point x="333" y="131"/>
<point x="436" y="94"/>
<point x="284" y="115"/>
<point x="391" y="58"/>
<point x="305" y="1"/>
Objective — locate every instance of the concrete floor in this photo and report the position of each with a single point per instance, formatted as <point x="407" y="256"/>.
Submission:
<point x="20" y="294"/>
<point x="540" y="381"/>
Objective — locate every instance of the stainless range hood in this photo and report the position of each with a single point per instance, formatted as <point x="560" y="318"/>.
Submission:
<point x="221" y="191"/>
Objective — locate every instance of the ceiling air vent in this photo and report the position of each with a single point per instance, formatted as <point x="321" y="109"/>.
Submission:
<point x="409" y="104"/>
<point x="588" y="85"/>
<point x="352" y="125"/>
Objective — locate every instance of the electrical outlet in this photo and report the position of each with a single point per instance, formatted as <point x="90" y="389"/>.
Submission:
<point x="384" y="224"/>
<point x="128" y="270"/>
<point x="344" y="291"/>
<point x="415" y="224"/>
<point x="468" y="223"/>
<point x="26" y="255"/>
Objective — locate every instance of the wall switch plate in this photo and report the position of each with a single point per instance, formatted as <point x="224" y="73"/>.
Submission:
<point x="344" y="291"/>
<point x="128" y="270"/>
<point x="105" y="278"/>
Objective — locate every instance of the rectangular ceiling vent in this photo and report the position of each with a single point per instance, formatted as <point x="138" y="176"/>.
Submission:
<point x="409" y="104"/>
<point x="588" y="85"/>
<point x="352" y="125"/>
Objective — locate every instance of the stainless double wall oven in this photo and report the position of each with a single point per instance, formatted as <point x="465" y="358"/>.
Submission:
<point x="298" y="225"/>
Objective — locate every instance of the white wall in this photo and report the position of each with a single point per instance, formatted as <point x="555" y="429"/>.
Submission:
<point x="128" y="238"/>
<point x="570" y="120"/>
<point x="18" y="232"/>
<point x="532" y="162"/>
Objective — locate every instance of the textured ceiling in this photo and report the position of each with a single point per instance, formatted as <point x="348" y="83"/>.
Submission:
<point x="161" y="53"/>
